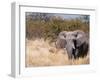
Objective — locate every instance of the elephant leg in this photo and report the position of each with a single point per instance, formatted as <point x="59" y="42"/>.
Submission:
<point x="75" y="51"/>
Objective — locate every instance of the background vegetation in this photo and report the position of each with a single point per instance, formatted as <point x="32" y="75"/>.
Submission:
<point x="42" y="30"/>
<point x="48" y="26"/>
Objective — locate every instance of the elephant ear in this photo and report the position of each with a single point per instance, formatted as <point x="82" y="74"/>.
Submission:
<point x="61" y="40"/>
<point x="80" y="39"/>
<point x="63" y="43"/>
<point x="60" y="43"/>
<point x="78" y="42"/>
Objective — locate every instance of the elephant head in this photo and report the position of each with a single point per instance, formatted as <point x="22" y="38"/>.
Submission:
<point x="66" y="40"/>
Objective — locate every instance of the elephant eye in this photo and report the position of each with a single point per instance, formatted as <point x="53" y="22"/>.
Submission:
<point x="64" y="35"/>
<point x="75" y="35"/>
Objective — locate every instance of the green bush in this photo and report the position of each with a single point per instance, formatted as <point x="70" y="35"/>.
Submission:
<point x="51" y="28"/>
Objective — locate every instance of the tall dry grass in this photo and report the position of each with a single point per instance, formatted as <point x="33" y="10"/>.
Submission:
<point x="43" y="53"/>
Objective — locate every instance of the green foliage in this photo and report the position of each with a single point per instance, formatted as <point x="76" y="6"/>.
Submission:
<point x="51" y="28"/>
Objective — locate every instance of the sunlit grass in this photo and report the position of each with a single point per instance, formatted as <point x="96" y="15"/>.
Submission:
<point x="42" y="53"/>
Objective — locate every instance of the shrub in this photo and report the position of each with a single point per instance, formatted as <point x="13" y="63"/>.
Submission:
<point x="51" y="28"/>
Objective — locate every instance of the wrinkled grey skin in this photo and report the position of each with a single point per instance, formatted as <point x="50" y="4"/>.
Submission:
<point x="75" y="42"/>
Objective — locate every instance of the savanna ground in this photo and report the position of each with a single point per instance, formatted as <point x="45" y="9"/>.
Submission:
<point x="42" y="53"/>
<point x="41" y="33"/>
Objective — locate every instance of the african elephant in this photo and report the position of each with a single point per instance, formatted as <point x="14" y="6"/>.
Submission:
<point x="75" y="43"/>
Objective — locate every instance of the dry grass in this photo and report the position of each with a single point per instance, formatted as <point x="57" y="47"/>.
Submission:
<point x="41" y="53"/>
